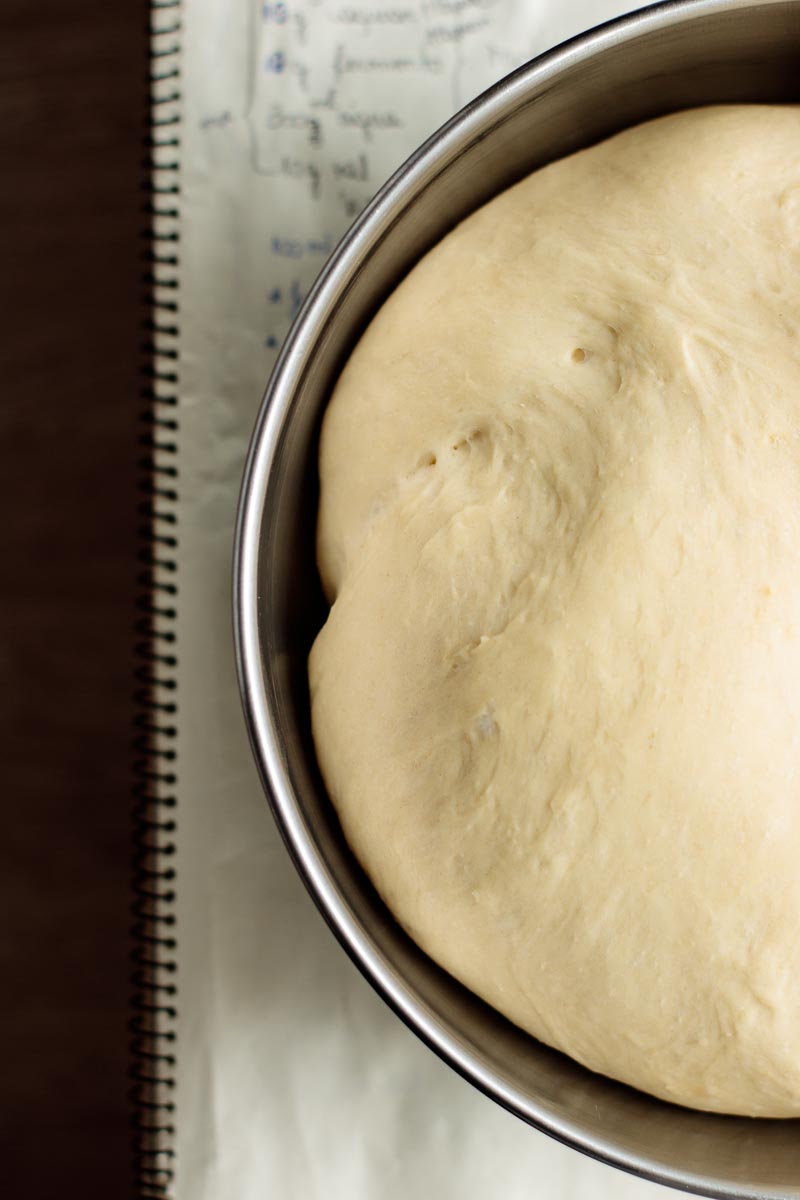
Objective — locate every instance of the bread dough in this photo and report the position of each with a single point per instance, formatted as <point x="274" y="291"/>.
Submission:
<point x="556" y="702"/>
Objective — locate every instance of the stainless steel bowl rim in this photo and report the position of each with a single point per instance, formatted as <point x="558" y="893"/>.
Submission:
<point x="248" y="587"/>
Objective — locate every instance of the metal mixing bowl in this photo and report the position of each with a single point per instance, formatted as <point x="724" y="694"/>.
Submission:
<point x="669" y="57"/>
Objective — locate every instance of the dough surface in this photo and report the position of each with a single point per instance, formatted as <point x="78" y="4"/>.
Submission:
<point x="556" y="702"/>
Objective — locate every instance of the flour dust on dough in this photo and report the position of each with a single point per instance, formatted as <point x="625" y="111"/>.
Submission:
<point x="556" y="702"/>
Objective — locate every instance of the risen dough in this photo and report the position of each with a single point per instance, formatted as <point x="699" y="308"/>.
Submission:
<point x="557" y="699"/>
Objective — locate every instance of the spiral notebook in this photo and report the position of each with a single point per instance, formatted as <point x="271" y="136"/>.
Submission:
<point x="264" y="1064"/>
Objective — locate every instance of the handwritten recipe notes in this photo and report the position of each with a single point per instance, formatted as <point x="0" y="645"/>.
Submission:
<point x="338" y="96"/>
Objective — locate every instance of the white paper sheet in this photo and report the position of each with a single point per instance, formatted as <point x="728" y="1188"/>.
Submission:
<point x="294" y="1080"/>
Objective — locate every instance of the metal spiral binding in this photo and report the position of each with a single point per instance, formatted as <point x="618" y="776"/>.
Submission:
<point x="153" y="1002"/>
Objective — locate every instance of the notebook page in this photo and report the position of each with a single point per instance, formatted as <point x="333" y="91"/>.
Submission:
<point x="293" y="1079"/>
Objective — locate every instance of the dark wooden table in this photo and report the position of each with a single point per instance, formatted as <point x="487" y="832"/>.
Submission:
<point x="72" y="105"/>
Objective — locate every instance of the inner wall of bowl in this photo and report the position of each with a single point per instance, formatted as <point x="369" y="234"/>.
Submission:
<point x="734" y="54"/>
